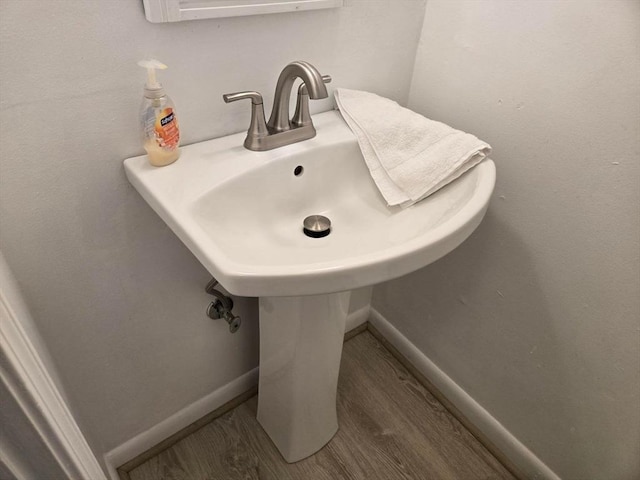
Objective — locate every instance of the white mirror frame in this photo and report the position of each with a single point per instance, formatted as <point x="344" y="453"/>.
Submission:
<point x="160" y="11"/>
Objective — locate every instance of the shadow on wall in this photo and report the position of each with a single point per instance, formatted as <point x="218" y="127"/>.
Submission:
<point x="499" y="340"/>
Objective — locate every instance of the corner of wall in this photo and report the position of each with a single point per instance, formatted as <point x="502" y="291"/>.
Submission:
<point x="495" y="433"/>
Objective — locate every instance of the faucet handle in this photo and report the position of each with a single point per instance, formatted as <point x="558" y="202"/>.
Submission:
<point x="256" y="98"/>
<point x="302" y="117"/>
<point x="258" y="125"/>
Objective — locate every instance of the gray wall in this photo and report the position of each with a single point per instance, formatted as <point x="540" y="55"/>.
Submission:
<point x="117" y="298"/>
<point x="537" y="315"/>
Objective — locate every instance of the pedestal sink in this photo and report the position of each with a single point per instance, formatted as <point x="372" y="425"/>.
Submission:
<point x="241" y="214"/>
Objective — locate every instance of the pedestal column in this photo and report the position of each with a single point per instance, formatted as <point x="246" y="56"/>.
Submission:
<point x="300" y="348"/>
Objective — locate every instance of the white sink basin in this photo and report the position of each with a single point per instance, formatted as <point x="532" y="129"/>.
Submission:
<point x="241" y="212"/>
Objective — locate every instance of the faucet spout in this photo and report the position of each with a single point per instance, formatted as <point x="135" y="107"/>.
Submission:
<point x="281" y="130"/>
<point x="279" y="120"/>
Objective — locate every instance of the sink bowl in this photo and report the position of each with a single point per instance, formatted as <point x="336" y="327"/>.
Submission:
<point x="241" y="213"/>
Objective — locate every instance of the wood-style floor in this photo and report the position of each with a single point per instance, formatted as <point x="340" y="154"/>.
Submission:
<point x="391" y="428"/>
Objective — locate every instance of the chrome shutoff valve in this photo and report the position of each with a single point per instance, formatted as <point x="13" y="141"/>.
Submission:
<point x="221" y="307"/>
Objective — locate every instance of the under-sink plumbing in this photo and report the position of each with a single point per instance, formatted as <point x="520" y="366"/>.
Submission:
<point x="221" y="307"/>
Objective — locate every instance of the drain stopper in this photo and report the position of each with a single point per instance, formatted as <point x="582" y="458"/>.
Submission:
<point x="316" y="226"/>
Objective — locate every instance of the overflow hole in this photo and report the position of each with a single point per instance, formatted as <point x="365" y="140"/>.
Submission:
<point x="298" y="170"/>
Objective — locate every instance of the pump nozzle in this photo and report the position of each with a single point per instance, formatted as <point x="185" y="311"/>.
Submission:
<point x="152" y="65"/>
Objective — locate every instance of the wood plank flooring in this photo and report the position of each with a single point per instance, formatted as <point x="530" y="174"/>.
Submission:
<point x="391" y="428"/>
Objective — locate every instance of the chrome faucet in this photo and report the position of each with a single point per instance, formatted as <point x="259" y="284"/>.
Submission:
<point x="280" y="130"/>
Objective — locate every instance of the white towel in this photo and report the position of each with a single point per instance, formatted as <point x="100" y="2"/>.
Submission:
<point x="409" y="156"/>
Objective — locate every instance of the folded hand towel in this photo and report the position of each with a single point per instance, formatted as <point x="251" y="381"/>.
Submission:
<point x="409" y="156"/>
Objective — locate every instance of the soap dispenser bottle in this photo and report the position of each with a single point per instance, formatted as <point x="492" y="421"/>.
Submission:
<point x="160" y="130"/>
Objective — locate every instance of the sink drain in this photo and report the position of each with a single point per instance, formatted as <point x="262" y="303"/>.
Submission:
<point x="316" y="226"/>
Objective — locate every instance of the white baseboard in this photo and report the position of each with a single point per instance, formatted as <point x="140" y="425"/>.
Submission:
<point x="179" y="420"/>
<point x="198" y="409"/>
<point x="357" y="318"/>
<point x="530" y="465"/>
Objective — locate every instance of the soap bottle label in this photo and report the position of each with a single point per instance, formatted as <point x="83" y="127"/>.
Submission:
<point x="166" y="129"/>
